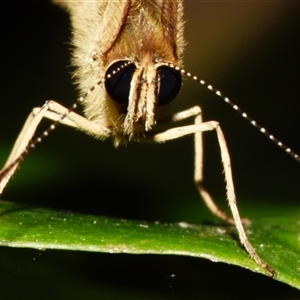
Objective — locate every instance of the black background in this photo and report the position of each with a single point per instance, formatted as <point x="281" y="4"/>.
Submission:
<point x="248" y="50"/>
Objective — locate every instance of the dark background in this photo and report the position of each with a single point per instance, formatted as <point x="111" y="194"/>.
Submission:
<point x="248" y="50"/>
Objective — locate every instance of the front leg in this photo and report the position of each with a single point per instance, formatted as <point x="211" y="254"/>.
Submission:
<point x="197" y="129"/>
<point x="161" y="135"/>
<point x="198" y="176"/>
<point x="55" y="112"/>
<point x="20" y="145"/>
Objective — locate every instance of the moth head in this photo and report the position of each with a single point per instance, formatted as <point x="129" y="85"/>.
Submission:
<point x="138" y="89"/>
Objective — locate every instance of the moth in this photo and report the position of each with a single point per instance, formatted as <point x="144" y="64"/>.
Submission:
<point x="129" y="57"/>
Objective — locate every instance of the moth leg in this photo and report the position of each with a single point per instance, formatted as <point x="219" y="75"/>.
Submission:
<point x="19" y="146"/>
<point x="179" y="116"/>
<point x="198" y="172"/>
<point x="197" y="128"/>
<point x="55" y="112"/>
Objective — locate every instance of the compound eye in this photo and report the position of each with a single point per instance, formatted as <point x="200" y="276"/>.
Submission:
<point x="118" y="85"/>
<point x="170" y="84"/>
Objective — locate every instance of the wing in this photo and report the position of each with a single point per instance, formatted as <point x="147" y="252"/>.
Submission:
<point x="100" y="21"/>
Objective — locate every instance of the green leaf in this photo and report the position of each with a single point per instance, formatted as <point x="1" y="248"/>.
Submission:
<point x="276" y="239"/>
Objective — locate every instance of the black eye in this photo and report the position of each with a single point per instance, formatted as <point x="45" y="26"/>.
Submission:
<point x="170" y="84"/>
<point x="118" y="85"/>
